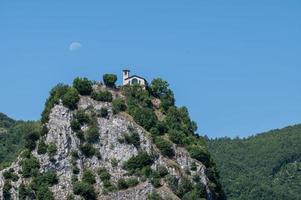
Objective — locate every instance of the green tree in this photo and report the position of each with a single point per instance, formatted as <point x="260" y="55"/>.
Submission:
<point x="71" y="98"/>
<point x="165" y="147"/>
<point x="109" y="80"/>
<point x="118" y="105"/>
<point x="83" y="85"/>
<point x="88" y="177"/>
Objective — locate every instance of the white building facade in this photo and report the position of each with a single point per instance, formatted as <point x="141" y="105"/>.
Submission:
<point x="134" y="79"/>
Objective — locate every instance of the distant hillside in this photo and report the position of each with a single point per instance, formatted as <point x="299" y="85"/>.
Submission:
<point x="5" y="121"/>
<point x="265" y="166"/>
<point x="12" y="137"/>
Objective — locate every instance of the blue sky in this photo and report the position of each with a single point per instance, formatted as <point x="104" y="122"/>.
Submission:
<point x="235" y="64"/>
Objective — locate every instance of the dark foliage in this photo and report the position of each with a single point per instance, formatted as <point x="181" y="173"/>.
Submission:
<point x="138" y="162"/>
<point x="118" y="105"/>
<point x="71" y="98"/>
<point x="266" y="166"/>
<point x="88" y="150"/>
<point x="85" y="190"/>
<point x="82" y="85"/>
<point x="165" y="147"/>
<point x="109" y="80"/>
<point x="105" y="96"/>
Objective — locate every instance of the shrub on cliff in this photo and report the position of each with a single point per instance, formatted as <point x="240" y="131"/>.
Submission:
<point x="105" y="96"/>
<point x="118" y="105"/>
<point x="85" y="190"/>
<point x="145" y="117"/>
<point x="165" y="147"/>
<point x="56" y="94"/>
<point x="138" y="162"/>
<point x="83" y="86"/>
<point x="109" y="80"/>
<point x="71" y="98"/>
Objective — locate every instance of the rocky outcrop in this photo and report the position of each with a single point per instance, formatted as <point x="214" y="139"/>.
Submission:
<point x="111" y="129"/>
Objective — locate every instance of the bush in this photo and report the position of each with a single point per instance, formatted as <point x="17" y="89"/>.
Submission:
<point x="31" y="138"/>
<point x="132" y="182"/>
<point x="109" y="80"/>
<point x="138" y="162"/>
<point x="82" y="117"/>
<point x="85" y="190"/>
<point x="144" y="117"/>
<point x="177" y="137"/>
<point x="122" y="184"/>
<point x="105" y="96"/>
<point x="165" y="147"/>
<point x="88" y="177"/>
<point x="75" y="125"/>
<point x="56" y="94"/>
<point x="92" y="134"/>
<point x="199" y="154"/>
<point x="172" y="182"/>
<point x="88" y="150"/>
<point x="137" y="95"/>
<point x="10" y="175"/>
<point x="159" y="87"/>
<point x="103" y="112"/>
<point x="30" y="167"/>
<point x="52" y="149"/>
<point x="80" y="134"/>
<point x="104" y="174"/>
<point x="154" y="196"/>
<point x="83" y="86"/>
<point x="42" y="148"/>
<point x="71" y="98"/>
<point x="133" y="139"/>
<point x="6" y="190"/>
<point x="118" y="105"/>
<point x="184" y="187"/>
<point x="162" y="171"/>
<point x="48" y="179"/>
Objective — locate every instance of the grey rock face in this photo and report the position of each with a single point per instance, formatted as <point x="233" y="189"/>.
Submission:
<point x="111" y="130"/>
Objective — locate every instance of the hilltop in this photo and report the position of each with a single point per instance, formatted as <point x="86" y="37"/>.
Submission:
<point x="265" y="166"/>
<point x="99" y="141"/>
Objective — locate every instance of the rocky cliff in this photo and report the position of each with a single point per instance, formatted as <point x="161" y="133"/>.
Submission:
<point x="94" y="151"/>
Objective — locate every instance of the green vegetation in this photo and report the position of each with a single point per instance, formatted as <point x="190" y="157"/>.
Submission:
<point x="82" y="85"/>
<point x="138" y="162"/>
<point x="51" y="149"/>
<point x="85" y="190"/>
<point x="109" y="80"/>
<point x="132" y="138"/>
<point x="154" y="196"/>
<point x="88" y="150"/>
<point x="103" y="112"/>
<point x="88" y="177"/>
<point x="71" y="98"/>
<point x="6" y="190"/>
<point x="10" y="175"/>
<point x="124" y="184"/>
<point x="12" y="140"/>
<point x="30" y="166"/>
<point x="165" y="147"/>
<point x="118" y="105"/>
<point x="105" y="96"/>
<point x="42" y="148"/>
<point x="81" y="117"/>
<point x="92" y="134"/>
<point x="6" y="122"/>
<point x="56" y="94"/>
<point x="266" y="166"/>
<point x="145" y="117"/>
